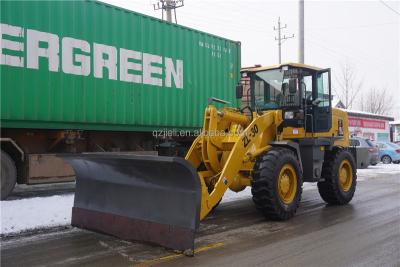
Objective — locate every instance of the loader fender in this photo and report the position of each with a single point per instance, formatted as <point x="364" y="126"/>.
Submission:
<point x="290" y="145"/>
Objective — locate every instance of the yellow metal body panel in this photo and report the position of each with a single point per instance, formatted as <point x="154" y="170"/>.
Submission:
<point x="337" y="115"/>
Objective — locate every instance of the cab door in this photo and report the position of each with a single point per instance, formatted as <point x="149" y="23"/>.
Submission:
<point x="322" y="111"/>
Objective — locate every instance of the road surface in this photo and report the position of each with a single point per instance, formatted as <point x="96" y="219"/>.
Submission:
<point x="41" y="190"/>
<point x="363" y="233"/>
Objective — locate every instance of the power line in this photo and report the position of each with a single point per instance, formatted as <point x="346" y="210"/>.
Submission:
<point x="352" y="27"/>
<point x="281" y="39"/>
<point x="350" y="51"/>
<point x="386" y="5"/>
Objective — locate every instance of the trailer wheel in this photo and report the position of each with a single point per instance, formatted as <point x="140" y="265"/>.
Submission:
<point x="340" y="178"/>
<point x="277" y="184"/>
<point x="8" y="175"/>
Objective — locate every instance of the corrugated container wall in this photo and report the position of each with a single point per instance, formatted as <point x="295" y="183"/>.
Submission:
<point x="88" y="65"/>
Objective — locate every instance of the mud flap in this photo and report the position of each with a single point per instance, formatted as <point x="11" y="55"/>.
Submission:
<point x="144" y="198"/>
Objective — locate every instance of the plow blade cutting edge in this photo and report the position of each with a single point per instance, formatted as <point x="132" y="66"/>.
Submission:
<point x="144" y="198"/>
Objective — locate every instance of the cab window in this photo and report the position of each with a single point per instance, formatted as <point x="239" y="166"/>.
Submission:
<point x="307" y="85"/>
<point x="323" y="89"/>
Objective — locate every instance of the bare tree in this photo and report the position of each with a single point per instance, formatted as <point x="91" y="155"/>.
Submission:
<point x="348" y="85"/>
<point x="377" y="101"/>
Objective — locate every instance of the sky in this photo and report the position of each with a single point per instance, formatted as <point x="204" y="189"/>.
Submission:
<point x="365" y="35"/>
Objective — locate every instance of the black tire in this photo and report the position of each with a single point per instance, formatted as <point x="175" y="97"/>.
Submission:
<point x="8" y="175"/>
<point x="330" y="188"/>
<point x="265" y="184"/>
<point x="374" y="163"/>
<point x="386" y="159"/>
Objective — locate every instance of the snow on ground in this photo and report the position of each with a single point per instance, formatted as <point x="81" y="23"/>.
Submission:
<point x="230" y="196"/>
<point x="45" y="212"/>
<point x="379" y="169"/>
<point x="38" y="212"/>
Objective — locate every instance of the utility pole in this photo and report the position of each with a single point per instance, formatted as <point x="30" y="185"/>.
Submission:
<point x="301" y="31"/>
<point x="168" y="6"/>
<point x="168" y="10"/>
<point x="281" y="39"/>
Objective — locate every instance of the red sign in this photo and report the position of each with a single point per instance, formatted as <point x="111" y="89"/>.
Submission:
<point x="366" y="123"/>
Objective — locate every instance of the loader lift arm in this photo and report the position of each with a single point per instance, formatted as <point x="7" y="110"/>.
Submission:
<point x="224" y="154"/>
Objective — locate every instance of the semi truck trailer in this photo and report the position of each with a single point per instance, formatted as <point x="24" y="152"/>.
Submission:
<point x="85" y="76"/>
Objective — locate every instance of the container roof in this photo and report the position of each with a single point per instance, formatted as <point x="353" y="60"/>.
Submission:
<point x="295" y="65"/>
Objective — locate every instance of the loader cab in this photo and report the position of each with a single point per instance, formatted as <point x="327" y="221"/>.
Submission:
<point x="302" y="92"/>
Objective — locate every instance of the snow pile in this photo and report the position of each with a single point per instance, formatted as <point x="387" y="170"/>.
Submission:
<point x="372" y="171"/>
<point x="32" y="213"/>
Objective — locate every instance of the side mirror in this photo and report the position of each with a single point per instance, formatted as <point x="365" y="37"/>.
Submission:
<point x="292" y="86"/>
<point x="239" y="91"/>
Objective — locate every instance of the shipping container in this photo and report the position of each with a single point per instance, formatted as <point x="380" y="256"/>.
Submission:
<point x="89" y="65"/>
<point x="82" y="74"/>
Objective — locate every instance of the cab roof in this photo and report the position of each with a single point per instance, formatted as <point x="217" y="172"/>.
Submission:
<point x="294" y="65"/>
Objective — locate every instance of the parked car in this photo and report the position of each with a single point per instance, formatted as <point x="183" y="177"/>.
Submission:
<point x="389" y="152"/>
<point x="373" y="151"/>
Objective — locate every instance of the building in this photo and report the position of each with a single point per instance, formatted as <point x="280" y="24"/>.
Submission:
<point x="369" y="125"/>
<point x="395" y="130"/>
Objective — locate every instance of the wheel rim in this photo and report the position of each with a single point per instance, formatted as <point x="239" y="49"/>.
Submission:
<point x="386" y="160"/>
<point x="287" y="184"/>
<point x="345" y="175"/>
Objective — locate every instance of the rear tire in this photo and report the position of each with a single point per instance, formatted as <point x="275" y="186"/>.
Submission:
<point x="277" y="184"/>
<point x="8" y="175"/>
<point x="340" y="178"/>
<point x="386" y="159"/>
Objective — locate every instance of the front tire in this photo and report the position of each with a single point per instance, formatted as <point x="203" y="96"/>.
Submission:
<point x="8" y="175"/>
<point x="340" y="178"/>
<point x="277" y="184"/>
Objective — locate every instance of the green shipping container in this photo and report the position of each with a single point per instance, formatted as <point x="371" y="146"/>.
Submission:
<point x="92" y="66"/>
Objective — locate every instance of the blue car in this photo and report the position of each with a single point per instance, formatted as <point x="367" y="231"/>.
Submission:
<point x="389" y="152"/>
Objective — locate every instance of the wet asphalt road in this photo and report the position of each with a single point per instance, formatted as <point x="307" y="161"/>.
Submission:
<point x="41" y="190"/>
<point x="363" y="233"/>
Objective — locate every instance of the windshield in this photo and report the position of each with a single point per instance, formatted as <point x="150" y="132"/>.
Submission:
<point x="276" y="88"/>
<point x="268" y="85"/>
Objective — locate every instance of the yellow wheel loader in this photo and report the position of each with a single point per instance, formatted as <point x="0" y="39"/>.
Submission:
<point x="286" y="133"/>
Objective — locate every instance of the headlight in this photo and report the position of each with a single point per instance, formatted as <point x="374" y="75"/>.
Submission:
<point x="289" y="115"/>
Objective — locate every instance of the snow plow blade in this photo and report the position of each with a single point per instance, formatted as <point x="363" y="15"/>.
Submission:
<point x="142" y="198"/>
